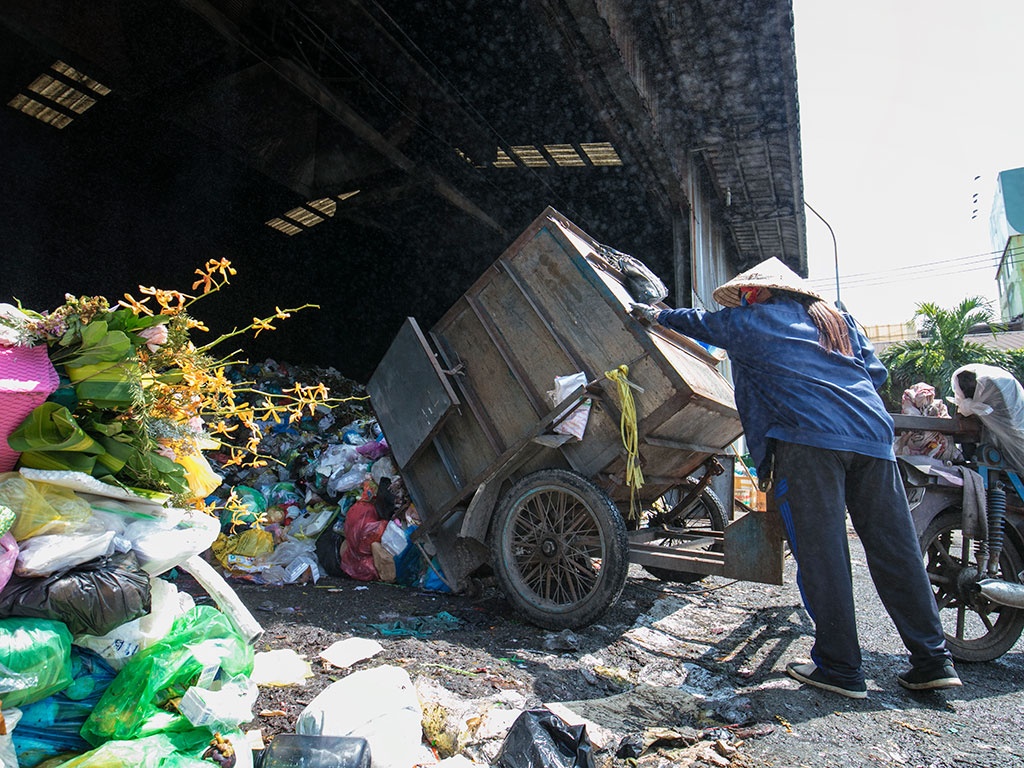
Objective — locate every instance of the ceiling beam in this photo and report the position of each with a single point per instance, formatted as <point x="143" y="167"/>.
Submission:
<point x="320" y="94"/>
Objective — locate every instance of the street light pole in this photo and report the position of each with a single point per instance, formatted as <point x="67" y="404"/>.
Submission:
<point x="835" y="247"/>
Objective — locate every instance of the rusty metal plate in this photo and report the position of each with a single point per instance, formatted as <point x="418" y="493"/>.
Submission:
<point x="410" y="394"/>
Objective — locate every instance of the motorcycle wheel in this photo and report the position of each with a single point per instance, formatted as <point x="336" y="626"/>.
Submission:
<point x="976" y="629"/>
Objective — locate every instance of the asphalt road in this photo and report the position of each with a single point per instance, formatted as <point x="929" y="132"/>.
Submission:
<point x="762" y="628"/>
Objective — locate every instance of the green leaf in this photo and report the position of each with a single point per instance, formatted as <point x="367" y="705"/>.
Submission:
<point x="58" y="460"/>
<point x="111" y="347"/>
<point x="93" y="333"/>
<point x="51" y="427"/>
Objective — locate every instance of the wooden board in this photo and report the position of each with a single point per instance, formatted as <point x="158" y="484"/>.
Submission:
<point x="410" y="393"/>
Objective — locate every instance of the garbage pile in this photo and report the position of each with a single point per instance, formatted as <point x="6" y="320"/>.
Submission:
<point x="127" y="451"/>
<point x="98" y="653"/>
<point x="332" y="501"/>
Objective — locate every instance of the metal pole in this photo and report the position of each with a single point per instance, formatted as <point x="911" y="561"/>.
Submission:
<point x="835" y="246"/>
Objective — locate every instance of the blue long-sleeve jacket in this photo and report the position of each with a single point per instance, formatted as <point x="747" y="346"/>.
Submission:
<point x="787" y="386"/>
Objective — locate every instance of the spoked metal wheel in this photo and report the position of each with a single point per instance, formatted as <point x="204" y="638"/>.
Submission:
<point x="559" y="549"/>
<point x="976" y="628"/>
<point x="684" y="529"/>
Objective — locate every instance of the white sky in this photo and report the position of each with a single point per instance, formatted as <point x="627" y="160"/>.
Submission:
<point x="902" y="104"/>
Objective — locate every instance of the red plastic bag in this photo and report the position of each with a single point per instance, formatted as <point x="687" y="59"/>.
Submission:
<point x="362" y="528"/>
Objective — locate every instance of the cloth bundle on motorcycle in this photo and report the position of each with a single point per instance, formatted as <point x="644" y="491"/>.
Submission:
<point x="91" y="598"/>
<point x="997" y="399"/>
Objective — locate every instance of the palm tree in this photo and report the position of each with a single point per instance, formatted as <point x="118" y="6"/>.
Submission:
<point x="942" y="348"/>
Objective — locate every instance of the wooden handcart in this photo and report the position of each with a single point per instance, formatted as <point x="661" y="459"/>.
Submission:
<point x="466" y="411"/>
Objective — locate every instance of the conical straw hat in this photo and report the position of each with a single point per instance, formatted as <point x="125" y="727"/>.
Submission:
<point x="771" y="273"/>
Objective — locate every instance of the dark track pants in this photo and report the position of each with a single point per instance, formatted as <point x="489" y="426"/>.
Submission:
<point x="814" y="488"/>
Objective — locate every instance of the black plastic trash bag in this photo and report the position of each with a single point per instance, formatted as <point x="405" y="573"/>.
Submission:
<point x="92" y="598"/>
<point x="541" y="739"/>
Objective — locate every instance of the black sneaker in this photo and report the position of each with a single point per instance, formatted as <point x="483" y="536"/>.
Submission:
<point x="930" y="679"/>
<point x="811" y="675"/>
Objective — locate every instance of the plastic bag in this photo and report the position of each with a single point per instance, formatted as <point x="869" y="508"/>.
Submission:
<point x="409" y="565"/>
<point x="284" y="494"/>
<point x="254" y="506"/>
<point x="312" y="522"/>
<point x="92" y="598"/>
<point x="201" y="645"/>
<point x="336" y="457"/>
<point x="35" y="659"/>
<point x="8" y="719"/>
<point x="35" y="513"/>
<point x="997" y="399"/>
<point x="125" y="640"/>
<point x="7" y="518"/>
<point x="292" y="561"/>
<point x="575" y="423"/>
<point x="8" y="557"/>
<point x="349" y="479"/>
<point x="223" y="704"/>
<point x="241" y="552"/>
<point x="162" y="750"/>
<point x="164" y="543"/>
<point x="377" y="704"/>
<point x="643" y="286"/>
<point x="394" y="540"/>
<point x="49" y="553"/>
<point x="362" y="528"/>
<point x="540" y="739"/>
<point x="51" y="726"/>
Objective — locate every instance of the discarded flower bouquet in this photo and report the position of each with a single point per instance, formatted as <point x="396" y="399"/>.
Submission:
<point x="135" y="400"/>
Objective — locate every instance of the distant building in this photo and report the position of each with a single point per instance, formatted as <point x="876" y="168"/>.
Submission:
<point x="1006" y="225"/>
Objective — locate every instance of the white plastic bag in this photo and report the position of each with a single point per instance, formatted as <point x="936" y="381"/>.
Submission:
<point x="394" y="539"/>
<point x="49" y="553"/>
<point x="288" y="562"/>
<point x="311" y="523"/>
<point x="998" y="401"/>
<point x="379" y="705"/>
<point x="349" y="479"/>
<point x="575" y="424"/>
<point x="8" y="756"/>
<point x="226" y="703"/>
<point x="162" y="544"/>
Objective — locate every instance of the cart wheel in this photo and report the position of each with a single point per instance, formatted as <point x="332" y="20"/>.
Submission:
<point x="559" y="549"/>
<point x="708" y="515"/>
<point x="976" y="629"/>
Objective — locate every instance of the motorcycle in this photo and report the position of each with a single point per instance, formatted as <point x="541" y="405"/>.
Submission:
<point x="969" y="513"/>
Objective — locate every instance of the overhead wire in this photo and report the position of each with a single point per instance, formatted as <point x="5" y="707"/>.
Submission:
<point x="924" y="270"/>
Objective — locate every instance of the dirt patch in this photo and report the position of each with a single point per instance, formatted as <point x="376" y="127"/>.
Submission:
<point x="693" y="674"/>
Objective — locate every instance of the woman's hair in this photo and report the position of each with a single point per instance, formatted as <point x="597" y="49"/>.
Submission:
<point x="833" y="333"/>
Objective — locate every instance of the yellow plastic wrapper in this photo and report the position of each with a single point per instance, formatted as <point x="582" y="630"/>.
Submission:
<point x="41" y="508"/>
<point x="240" y="551"/>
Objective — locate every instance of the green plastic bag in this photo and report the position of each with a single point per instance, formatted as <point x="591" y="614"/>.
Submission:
<point x="202" y="643"/>
<point x="35" y="659"/>
<point x="161" y="750"/>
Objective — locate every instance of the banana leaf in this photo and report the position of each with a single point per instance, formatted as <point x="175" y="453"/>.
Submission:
<point x="116" y="456"/>
<point x="59" y="460"/>
<point x="51" y="427"/>
<point x="106" y="385"/>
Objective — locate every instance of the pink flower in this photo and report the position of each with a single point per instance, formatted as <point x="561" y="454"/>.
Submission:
<point x="155" y="336"/>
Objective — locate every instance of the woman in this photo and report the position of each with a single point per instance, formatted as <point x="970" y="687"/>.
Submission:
<point x="806" y="383"/>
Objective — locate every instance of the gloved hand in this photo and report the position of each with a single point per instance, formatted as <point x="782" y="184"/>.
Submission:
<point x="645" y="313"/>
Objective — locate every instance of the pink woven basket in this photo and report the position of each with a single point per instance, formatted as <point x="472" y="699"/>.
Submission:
<point x="27" y="378"/>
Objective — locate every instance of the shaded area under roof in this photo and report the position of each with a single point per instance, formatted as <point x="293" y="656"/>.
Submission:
<point x="456" y="123"/>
